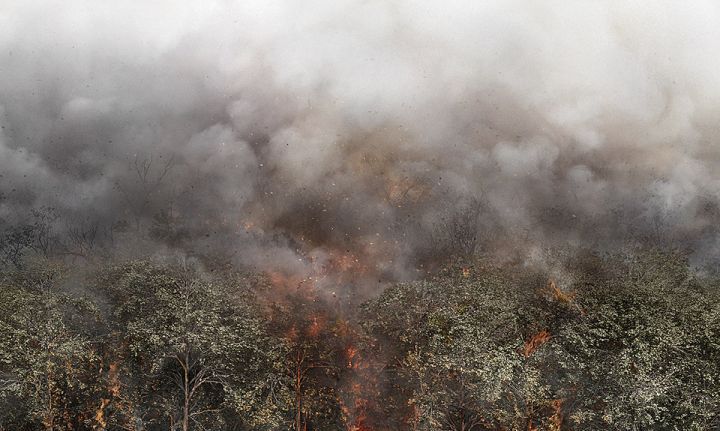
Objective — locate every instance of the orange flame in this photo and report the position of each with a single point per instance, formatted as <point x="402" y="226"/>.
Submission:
<point x="535" y="341"/>
<point x="114" y="390"/>
<point x="556" y="419"/>
<point x="558" y="294"/>
<point x="101" y="421"/>
<point x="361" y="390"/>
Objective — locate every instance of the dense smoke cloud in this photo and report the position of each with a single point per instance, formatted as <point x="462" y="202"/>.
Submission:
<point x="387" y="132"/>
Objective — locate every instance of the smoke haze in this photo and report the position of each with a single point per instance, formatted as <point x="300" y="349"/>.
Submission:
<point x="372" y="134"/>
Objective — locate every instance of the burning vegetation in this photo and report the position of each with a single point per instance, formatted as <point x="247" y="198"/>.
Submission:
<point x="359" y="216"/>
<point x="610" y="341"/>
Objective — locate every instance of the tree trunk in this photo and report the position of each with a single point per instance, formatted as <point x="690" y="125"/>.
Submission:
<point x="49" y="420"/>
<point x="186" y="400"/>
<point x="298" y="394"/>
<point x="298" y="404"/>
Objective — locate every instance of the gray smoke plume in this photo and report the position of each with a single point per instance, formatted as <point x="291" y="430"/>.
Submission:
<point x="371" y="135"/>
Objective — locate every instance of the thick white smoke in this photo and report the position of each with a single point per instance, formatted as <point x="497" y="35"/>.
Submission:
<point x="385" y="130"/>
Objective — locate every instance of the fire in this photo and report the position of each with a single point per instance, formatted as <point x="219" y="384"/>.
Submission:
<point x="558" y="294"/>
<point x="292" y="333"/>
<point x="100" y="420"/>
<point x="357" y="412"/>
<point x="553" y="422"/>
<point x="351" y="352"/>
<point x="317" y="323"/>
<point x="361" y="390"/>
<point x="535" y="341"/>
<point x="113" y="376"/>
<point x="556" y="419"/>
<point x="316" y="316"/>
<point x="113" y="389"/>
<point x="279" y="280"/>
<point x="339" y="267"/>
<point x="346" y="262"/>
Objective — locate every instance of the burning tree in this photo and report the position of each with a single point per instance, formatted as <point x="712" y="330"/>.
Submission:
<point x="618" y="346"/>
<point x="618" y="342"/>
<point x="455" y="343"/>
<point x="644" y="353"/>
<point x="312" y="362"/>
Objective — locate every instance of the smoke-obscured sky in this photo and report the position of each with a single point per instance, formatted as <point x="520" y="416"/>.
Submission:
<point x="282" y="129"/>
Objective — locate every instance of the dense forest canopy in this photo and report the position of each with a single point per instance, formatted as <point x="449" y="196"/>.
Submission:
<point x="356" y="215"/>
<point x="624" y="341"/>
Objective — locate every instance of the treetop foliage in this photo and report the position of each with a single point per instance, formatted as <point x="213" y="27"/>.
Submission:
<point x="615" y="341"/>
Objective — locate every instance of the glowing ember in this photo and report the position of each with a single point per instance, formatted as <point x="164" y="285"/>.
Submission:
<point x="351" y="352"/>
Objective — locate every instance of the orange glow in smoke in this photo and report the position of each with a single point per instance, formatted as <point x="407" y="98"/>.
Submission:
<point x="317" y="323"/>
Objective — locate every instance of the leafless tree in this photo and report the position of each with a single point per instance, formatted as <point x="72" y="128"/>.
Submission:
<point x="148" y="176"/>
<point x="34" y="236"/>
<point x="82" y="238"/>
<point x="44" y="220"/>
